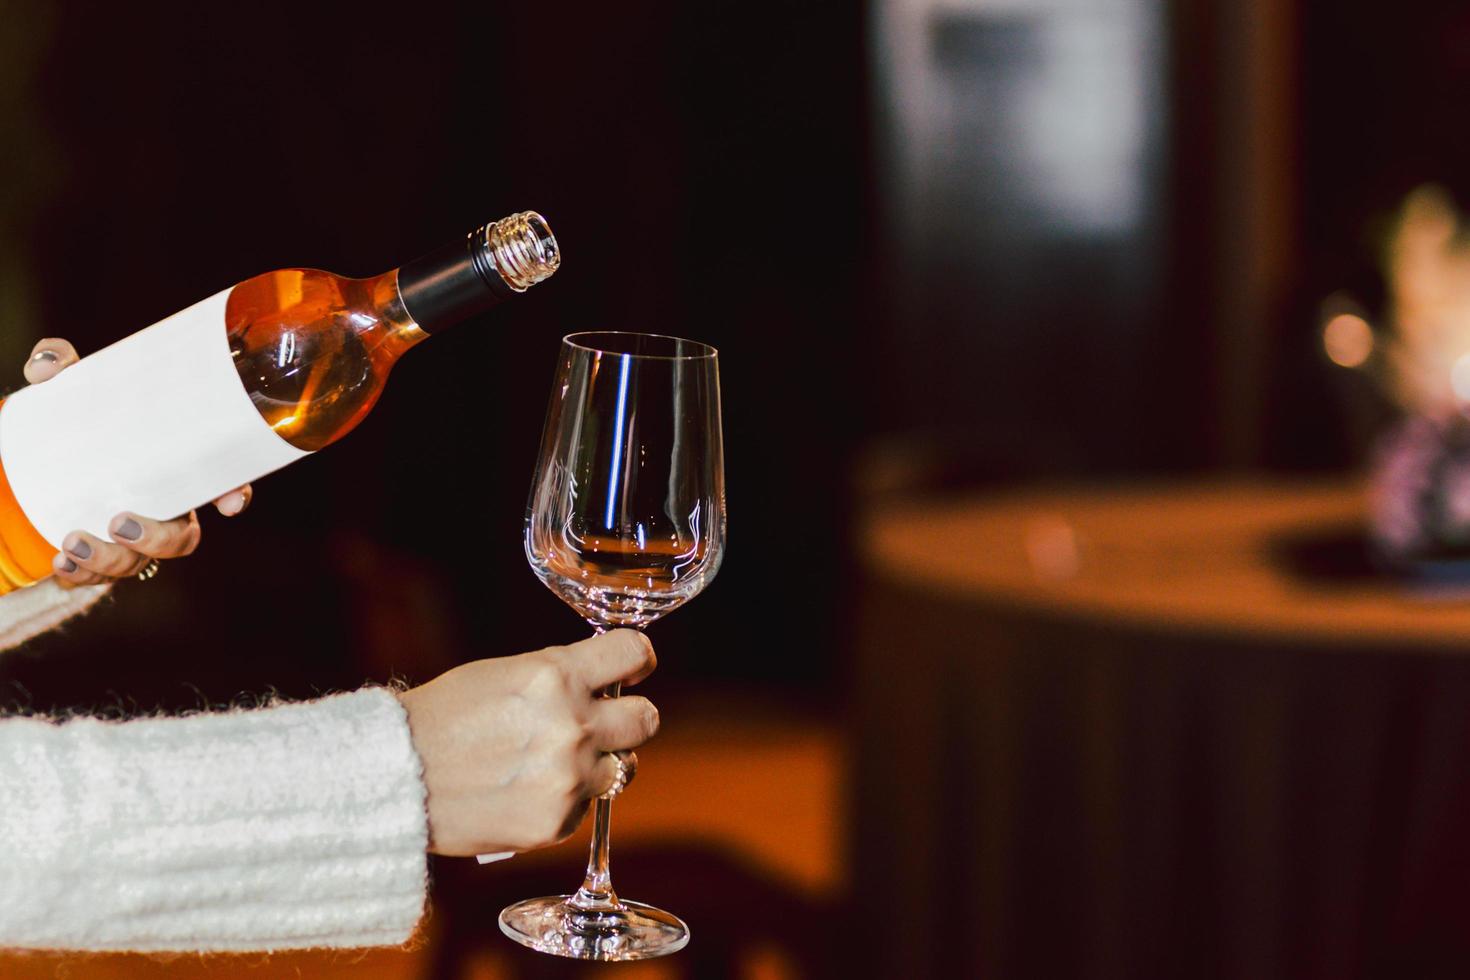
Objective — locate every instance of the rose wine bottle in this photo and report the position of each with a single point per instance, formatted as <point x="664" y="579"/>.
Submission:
<point x="232" y="388"/>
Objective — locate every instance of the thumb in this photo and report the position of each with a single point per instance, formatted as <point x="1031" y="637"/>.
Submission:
<point x="48" y="359"/>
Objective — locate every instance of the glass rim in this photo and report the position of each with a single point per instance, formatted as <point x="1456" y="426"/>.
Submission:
<point x="703" y="351"/>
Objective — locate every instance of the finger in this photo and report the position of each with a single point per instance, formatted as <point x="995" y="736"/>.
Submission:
<point x="622" y="655"/>
<point x="70" y="573"/>
<point x="235" y="501"/>
<point x="103" y="557"/>
<point x="156" y="539"/>
<point x="622" y="723"/>
<point x="605" y="776"/>
<point x="48" y="359"/>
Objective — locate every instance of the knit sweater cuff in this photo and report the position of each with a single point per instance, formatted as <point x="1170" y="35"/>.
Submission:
<point x="35" y="609"/>
<point x="300" y="825"/>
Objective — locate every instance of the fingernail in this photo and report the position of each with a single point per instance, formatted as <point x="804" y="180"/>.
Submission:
<point x="68" y="566"/>
<point x="232" y="504"/>
<point x="82" y="550"/>
<point x="128" y="530"/>
<point x="45" y="357"/>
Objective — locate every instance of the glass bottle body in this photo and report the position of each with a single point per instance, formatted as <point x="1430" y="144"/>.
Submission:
<point x="313" y="350"/>
<point x="156" y="423"/>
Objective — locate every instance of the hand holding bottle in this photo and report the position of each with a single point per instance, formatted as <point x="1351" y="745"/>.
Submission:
<point x="514" y="748"/>
<point x="86" y="559"/>
<point x="249" y="380"/>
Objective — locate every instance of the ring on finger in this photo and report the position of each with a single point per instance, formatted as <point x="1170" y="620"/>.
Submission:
<point x="627" y="767"/>
<point x="149" y="570"/>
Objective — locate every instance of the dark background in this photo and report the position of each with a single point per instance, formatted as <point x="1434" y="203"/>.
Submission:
<point x="704" y="174"/>
<point x="906" y="293"/>
<point x="715" y="171"/>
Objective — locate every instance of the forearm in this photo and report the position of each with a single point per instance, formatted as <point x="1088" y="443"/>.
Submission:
<point x="294" y="826"/>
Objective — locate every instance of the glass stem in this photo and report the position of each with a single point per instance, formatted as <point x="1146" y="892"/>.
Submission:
<point x="596" y="893"/>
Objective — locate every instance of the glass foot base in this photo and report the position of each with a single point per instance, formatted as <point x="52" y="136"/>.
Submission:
<point x="631" y="931"/>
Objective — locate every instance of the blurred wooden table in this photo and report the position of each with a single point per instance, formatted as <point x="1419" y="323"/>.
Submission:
<point x="1202" y="557"/>
<point x="1153" y="731"/>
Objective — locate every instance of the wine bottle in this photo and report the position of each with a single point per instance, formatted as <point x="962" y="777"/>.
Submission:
<point x="232" y="388"/>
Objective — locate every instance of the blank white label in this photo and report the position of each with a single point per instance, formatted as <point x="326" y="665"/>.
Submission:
<point x="158" y="424"/>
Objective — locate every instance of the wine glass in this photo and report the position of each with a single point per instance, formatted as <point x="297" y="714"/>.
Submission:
<point x="626" y="522"/>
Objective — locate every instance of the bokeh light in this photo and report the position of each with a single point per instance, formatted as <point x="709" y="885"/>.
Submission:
<point x="1348" y="340"/>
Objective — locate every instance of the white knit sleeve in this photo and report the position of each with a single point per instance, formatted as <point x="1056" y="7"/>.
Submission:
<point x="299" y="825"/>
<point x="35" y="609"/>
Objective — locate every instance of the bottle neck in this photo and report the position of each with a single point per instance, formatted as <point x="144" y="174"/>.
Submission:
<point x="493" y="263"/>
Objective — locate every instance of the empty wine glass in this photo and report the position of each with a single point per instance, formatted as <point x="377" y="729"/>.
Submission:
<point x="626" y="522"/>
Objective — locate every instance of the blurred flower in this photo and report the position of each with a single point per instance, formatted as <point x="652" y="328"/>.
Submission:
<point x="1427" y="268"/>
<point x="1420" y="358"/>
<point x="1419" y="500"/>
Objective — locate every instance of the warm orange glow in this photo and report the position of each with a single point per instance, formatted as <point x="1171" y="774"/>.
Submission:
<point x="1051" y="545"/>
<point x="1348" y="340"/>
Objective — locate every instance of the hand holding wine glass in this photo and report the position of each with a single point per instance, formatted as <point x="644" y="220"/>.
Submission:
<point x="514" y="748"/>
<point x="626" y="522"/>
